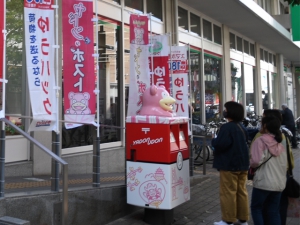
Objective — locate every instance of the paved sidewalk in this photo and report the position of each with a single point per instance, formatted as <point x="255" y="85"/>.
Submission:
<point x="204" y="206"/>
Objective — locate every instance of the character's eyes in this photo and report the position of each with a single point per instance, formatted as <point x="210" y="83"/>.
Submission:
<point x="74" y="101"/>
<point x="83" y="101"/>
<point x="164" y="94"/>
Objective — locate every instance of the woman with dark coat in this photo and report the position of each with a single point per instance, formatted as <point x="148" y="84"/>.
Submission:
<point x="231" y="158"/>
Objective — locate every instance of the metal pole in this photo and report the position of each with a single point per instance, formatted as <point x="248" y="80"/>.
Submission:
<point x="152" y="72"/>
<point x="204" y="155"/>
<point x="55" y="136"/>
<point x="65" y="195"/>
<point x="96" y="162"/>
<point x="55" y="164"/>
<point x="191" y="114"/>
<point x="96" y="145"/>
<point x="2" y="160"/>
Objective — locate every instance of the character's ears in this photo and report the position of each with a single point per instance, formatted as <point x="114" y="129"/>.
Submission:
<point x="153" y="90"/>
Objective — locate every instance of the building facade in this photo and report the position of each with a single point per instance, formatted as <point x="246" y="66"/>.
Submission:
<point x="237" y="49"/>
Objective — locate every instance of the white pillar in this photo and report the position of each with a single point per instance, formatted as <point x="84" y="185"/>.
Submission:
<point x="226" y="70"/>
<point x="280" y="73"/>
<point x="257" y="82"/>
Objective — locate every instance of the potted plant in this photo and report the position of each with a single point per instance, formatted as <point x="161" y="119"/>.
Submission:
<point x="11" y="131"/>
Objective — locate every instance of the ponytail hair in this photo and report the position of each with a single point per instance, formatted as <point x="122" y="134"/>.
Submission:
<point x="273" y="124"/>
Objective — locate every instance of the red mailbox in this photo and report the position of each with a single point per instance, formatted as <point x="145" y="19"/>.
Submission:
<point x="157" y="161"/>
<point x="156" y="139"/>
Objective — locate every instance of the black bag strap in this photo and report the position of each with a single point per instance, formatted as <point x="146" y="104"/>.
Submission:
<point x="264" y="162"/>
<point x="242" y="131"/>
<point x="288" y="156"/>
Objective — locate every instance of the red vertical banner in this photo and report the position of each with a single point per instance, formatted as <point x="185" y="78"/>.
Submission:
<point x="159" y="54"/>
<point x="78" y="62"/>
<point x="2" y="11"/>
<point x="139" y="30"/>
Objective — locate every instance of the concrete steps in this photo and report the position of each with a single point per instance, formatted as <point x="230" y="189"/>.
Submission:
<point x="7" y="220"/>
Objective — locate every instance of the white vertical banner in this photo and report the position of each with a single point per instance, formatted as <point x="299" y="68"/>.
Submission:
<point x="139" y="67"/>
<point x="180" y="83"/>
<point x="39" y="41"/>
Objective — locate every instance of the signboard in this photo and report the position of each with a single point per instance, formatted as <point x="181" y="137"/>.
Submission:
<point x="39" y="41"/>
<point x="178" y="68"/>
<point x="78" y="63"/>
<point x="295" y="22"/>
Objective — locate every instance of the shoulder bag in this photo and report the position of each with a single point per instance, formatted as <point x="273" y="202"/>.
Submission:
<point x="292" y="188"/>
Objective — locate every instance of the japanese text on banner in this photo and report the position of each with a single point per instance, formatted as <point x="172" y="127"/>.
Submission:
<point x="159" y="50"/>
<point x="178" y="68"/>
<point x="139" y="68"/>
<point x="78" y="49"/>
<point x="39" y="39"/>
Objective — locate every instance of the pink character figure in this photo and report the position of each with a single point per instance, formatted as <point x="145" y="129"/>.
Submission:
<point x="153" y="194"/>
<point x="157" y="102"/>
<point x="79" y="103"/>
<point x="139" y="36"/>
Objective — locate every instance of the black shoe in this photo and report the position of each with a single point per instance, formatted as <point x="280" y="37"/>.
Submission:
<point x="295" y="146"/>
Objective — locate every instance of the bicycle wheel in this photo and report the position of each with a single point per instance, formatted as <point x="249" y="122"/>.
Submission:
<point x="207" y="153"/>
<point x="196" y="151"/>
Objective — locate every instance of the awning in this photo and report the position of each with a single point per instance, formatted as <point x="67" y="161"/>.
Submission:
<point x="250" y="20"/>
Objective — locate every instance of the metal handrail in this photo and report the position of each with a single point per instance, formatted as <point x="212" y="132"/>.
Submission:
<point x="56" y="158"/>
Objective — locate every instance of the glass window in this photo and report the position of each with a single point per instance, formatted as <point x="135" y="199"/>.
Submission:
<point x="249" y="89"/>
<point x="266" y="56"/>
<point x="274" y="60"/>
<point x="217" y="34"/>
<point x="17" y="84"/>
<point x="252" y="51"/>
<point x="270" y="58"/>
<point x="246" y="47"/>
<point x="264" y="88"/>
<point x="239" y="44"/>
<point x="195" y="96"/>
<point x="155" y="7"/>
<point x="183" y="18"/>
<point x="261" y="54"/>
<point x="212" y="77"/>
<point x="195" y="24"/>
<point x="274" y="83"/>
<point x="236" y="81"/>
<point x="135" y="4"/>
<point x="232" y="41"/>
<point x="207" y="30"/>
<point x="109" y="101"/>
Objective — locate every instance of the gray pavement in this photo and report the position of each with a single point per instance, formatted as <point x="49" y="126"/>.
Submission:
<point x="204" y="206"/>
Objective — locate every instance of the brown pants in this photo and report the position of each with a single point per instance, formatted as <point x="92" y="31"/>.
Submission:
<point x="234" y="195"/>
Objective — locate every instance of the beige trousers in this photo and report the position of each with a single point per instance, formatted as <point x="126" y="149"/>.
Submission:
<point x="234" y="195"/>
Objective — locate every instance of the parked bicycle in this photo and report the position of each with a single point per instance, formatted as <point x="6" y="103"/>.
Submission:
<point x="203" y="132"/>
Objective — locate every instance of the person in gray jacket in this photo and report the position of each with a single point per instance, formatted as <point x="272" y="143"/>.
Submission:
<point x="269" y="152"/>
